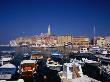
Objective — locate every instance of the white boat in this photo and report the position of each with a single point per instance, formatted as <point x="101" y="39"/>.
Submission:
<point x="5" y="60"/>
<point x="7" y="70"/>
<point x="94" y="49"/>
<point x="72" y="72"/>
<point x="85" y="60"/>
<point x="77" y="61"/>
<point x="53" y="65"/>
<point x="19" y="80"/>
<point x="84" y="50"/>
<point x="104" y="58"/>
<point x="104" y="51"/>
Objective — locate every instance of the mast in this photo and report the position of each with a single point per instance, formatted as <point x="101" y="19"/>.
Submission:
<point x="94" y="35"/>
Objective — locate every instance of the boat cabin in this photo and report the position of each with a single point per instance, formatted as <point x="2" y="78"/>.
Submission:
<point x="4" y="60"/>
<point x="83" y="50"/>
<point x="27" y="67"/>
<point x="36" y="56"/>
<point x="7" y="70"/>
<point x="72" y="70"/>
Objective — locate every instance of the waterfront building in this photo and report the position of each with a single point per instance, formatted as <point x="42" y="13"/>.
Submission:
<point x="81" y="41"/>
<point x="100" y="41"/>
<point x="107" y="41"/>
<point x="63" y="39"/>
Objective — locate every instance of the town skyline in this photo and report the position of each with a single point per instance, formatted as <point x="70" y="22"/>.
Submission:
<point x="74" y="17"/>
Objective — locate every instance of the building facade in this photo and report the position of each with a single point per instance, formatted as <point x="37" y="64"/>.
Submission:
<point x="107" y="41"/>
<point x="100" y="41"/>
<point x="81" y="40"/>
<point x="63" y="39"/>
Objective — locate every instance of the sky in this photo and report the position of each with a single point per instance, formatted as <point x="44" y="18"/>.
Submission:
<point x="76" y="17"/>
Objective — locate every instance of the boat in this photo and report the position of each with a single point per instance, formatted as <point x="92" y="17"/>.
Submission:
<point x="7" y="71"/>
<point x="53" y="65"/>
<point x="81" y="62"/>
<point x="27" y="68"/>
<point x="5" y="60"/>
<point x="56" y="54"/>
<point x="19" y="80"/>
<point x="36" y="56"/>
<point x="104" y="58"/>
<point x="72" y="72"/>
<point x="95" y="49"/>
<point x="84" y="50"/>
<point x="104" y="52"/>
<point x="85" y="60"/>
<point x="105" y="71"/>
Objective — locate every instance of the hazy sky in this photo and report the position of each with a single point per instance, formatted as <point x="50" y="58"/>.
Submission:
<point x="77" y="17"/>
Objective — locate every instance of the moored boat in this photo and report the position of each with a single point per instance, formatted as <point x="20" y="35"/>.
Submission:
<point x="72" y="72"/>
<point x="19" y="80"/>
<point x="36" y="56"/>
<point x="53" y="65"/>
<point x="27" y="68"/>
<point x="56" y="54"/>
<point x="5" y="60"/>
<point x="7" y="71"/>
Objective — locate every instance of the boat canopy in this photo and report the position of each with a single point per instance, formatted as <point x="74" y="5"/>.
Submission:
<point x="7" y="68"/>
<point x="55" y="52"/>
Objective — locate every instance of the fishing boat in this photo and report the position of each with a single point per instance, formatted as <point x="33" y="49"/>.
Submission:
<point x="53" y="65"/>
<point x="27" y="68"/>
<point x="7" y="71"/>
<point x="72" y="72"/>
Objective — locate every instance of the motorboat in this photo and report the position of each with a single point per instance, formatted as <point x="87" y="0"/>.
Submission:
<point x="5" y="60"/>
<point x="72" y="72"/>
<point x="53" y="65"/>
<point x="56" y="54"/>
<point x="27" y="68"/>
<point x="84" y="50"/>
<point x="19" y="80"/>
<point x="36" y="56"/>
<point x="7" y="71"/>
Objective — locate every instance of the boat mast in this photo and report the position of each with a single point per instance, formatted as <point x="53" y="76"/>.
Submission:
<point x="94" y="36"/>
